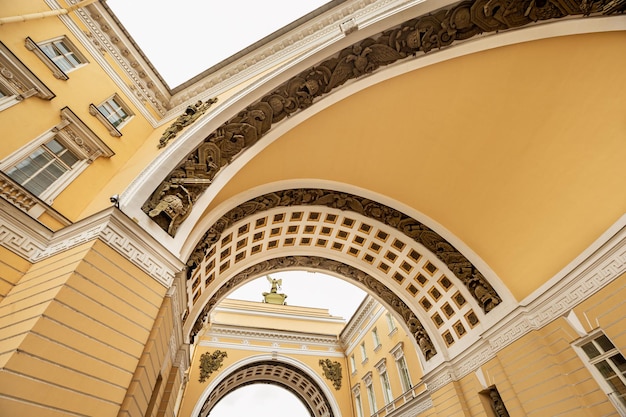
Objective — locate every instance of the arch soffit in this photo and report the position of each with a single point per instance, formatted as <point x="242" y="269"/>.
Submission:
<point x="452" y="24"/>
<point x="401" y="261"/>
<point x="304" y="382"/>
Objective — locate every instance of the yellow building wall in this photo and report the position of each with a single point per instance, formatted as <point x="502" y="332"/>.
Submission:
<point x="388" y="340"/>
<point x="87" y="84"/>
<point x="12" y="268"/>
<point x="73" y="330"/>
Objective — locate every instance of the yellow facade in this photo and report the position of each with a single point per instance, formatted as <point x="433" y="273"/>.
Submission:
<point x="460" y="162"/>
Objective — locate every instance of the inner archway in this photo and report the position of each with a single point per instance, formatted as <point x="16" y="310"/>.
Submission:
<point x="288" y="376"/>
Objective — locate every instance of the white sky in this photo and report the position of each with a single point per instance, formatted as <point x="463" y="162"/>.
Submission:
<point x="185" y="37"/>
<point x="307" y="289"/>
<point x="182" y="39"/>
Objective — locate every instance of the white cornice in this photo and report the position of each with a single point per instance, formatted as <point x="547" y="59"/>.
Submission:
<point x="283" y="336"/>
<point x="322" y="29"/>
<point x="353" y="326"/>
<point x="24" y="236"/>
<point x="279" y="314"/>
<point x="363" y="325"/>
<point x="331" y="353"/>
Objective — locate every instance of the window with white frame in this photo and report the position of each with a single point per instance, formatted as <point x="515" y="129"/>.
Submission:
<point x="59" y="54"/>
<point x="390" y="322"/>
<point x="405" y="377"/>
<point x="17" y="82"/>
<point x="384" y="382"/>
<point x="371" y="398"/>
<point x="352" y="364"/>
<point x="53" y="160"/>
<point x="357" y="401"/>
<point x="608" y="366"/>
<point x="381" y="367"/>
<point x="375" y="338"/>
<point x="403" y="370"/>
<point x="43" y="167"/>
<point x="363" y="352"/>
<point x="113" y="113"/>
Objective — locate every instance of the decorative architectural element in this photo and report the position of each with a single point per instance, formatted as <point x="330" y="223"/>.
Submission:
<point x="80" y="138"/>
<point x="471" y="277"/>
<point x="495" y="401"/>
<point x="332" y="372"/>
<point x="273" y="297"/>
<point x="391" y="300"/>
<point x="17" y="79"/>
<point x="434" y="31"/>
<point x="16" y="194"/>
<point x="191" y="115"/>
<point x="210" y="362"/>
<point x="273" y="372"/>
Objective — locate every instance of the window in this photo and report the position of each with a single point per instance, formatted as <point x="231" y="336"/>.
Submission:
<point x="372" y="399"/>
<point x="384" y="381"/>
<point x="113" y="113"/>
<point x="403" y="370"/>
<point x="358" y="405"/>
<point x="390" y="322"/>
<point x="43" y="167"/>
<point x="59" y="54"/>
<point x="375" y="338"/>
<point x="17" y="82"/>
<point x="608" y="365"/>
<point x="405" y="377"/>
<point x="352" y="364"/>
<point x="363" y="352"/>
<point x="53" y="160"/>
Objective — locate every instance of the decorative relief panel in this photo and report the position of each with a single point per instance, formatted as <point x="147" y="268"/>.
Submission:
<point x="421" y="35"/>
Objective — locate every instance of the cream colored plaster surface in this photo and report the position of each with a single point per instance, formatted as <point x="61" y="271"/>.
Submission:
<point x="518" y="151"/>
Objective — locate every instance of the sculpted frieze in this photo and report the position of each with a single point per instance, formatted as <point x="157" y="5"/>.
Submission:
<point x="314" y="262"/>
<point x="423" y="34"/>
<point x="462" y="268"/>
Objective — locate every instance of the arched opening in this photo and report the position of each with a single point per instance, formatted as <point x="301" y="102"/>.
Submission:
<point x="291" y="376"/>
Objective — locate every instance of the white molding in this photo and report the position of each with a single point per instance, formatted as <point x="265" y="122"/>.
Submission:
<point x="259" y="313"/>
<point x="269" y="349"/>
<point x="22" y="235"/>
<point x="257" y="334"/>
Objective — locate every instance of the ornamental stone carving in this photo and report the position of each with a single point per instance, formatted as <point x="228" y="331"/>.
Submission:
<point x="192" y="113"/>
<point x="210" y="362"/>
<point x="462" y="268"/>
<point x="332" y="372"/>
<point x="389" y="298"/>
<point x="423" y="34"/>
